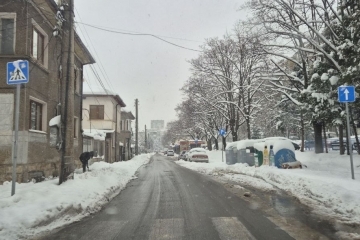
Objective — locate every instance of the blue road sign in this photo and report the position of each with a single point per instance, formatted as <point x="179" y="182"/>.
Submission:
<point x="346" y="94"/>
<point x="222" y="132"/>
<point x="17" y="72"/>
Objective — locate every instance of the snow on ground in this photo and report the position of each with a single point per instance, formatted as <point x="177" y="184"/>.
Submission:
<point x="38" y="207"/>
<point x="325" y="185"/>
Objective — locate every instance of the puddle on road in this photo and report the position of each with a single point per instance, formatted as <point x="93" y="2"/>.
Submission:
<point x="294" y="216"/>
<point x="288" y="207"/>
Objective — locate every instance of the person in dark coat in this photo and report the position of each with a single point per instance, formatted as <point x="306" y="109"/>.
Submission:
<point x="84" y="158"/>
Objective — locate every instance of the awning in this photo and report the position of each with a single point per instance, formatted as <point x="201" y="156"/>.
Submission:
<point x="97" y="134"/>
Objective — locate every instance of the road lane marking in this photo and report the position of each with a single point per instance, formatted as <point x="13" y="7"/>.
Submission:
<point x="165" y="229"/>
<point x="104" y="230"/>
<point x="231" y="228"/>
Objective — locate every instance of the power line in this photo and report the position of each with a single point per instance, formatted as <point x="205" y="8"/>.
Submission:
<point x="139" y="34"/>
<point x="102" y="69"/>
<point x="130" y="31"/>
<point x="99" y="79"/>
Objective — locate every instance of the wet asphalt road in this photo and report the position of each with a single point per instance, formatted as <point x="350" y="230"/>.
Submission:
<point x="170" y="202"/>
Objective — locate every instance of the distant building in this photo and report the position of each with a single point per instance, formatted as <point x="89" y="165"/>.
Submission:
<point x="157" y="124"/>
<point x="126" y="135"/>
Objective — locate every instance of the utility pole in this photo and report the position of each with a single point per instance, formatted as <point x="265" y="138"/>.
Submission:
<point x="67" y="94"/>
<point x="137" y="128"/>
<point x="145" y="137"/>
<point x="116" y="131"/>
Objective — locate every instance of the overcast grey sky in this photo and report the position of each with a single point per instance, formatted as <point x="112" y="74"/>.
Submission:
<point x="144" y="67"/>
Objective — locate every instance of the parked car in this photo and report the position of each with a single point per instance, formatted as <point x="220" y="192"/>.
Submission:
<point x="185" y="157"/>
<point x="181" y="155"/>
<point x="198" y="155"/>
<point x="170" y="153"/>
<point x="335" y="145"/>
<point x="309" y="144"/>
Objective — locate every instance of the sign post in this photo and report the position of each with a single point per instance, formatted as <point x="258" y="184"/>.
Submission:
<point x="17" y="73"/>
<point x="347" y="94"/>
<point x="222" y="133"/>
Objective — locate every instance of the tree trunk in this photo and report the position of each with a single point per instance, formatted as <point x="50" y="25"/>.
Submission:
<point x="216" y="144"/>
<point x="302" y="133"/>
<point x="248" y="128"/>
<point x="326" y="148"/>
<point x="341" y="140"/>
<point x="355" y="132"/>
<point x="318" y="138"/>
<point x="234" y="134"/>
<point x="209" y="145"/>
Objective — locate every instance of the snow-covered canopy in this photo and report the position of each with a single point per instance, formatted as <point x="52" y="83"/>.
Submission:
<point x="97" y="134"/>
<point x="55" y="121"/>
<point x="243" y="144"/>
<point x="231" y="145"/>
<point x="282" y="144"/>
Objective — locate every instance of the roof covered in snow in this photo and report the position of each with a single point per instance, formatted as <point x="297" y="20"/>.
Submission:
<point x="101" y="92"/>
<point x="127" y="115"/>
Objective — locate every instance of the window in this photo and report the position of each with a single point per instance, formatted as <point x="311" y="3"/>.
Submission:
<point x="39" y="42"/>
<point x="98" y="148"/>
<point x="96" y="111"/>
<point x="7" y="33"/>
<point x="76" y="127"/>
<point x="121" y="125"/>
<point x="36" y="110"/>
<point x="87" y="145"/>
<point x="37" y="115"/>
<point x="76" y="79"/>
<point x="38" y="46"/>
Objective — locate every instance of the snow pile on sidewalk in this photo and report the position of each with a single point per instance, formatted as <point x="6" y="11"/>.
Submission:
<point x="325" y="185"/>
<point x="44" y="206"/>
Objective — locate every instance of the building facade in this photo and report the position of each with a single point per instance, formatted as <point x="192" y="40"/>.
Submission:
<point x="27" y="33"/>
<point x="101" y="118"/>
<point x="157" y="124"/>
<point x="126" y="135"/>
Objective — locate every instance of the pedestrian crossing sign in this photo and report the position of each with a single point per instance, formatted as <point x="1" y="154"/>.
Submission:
<point x="17" y="72"/>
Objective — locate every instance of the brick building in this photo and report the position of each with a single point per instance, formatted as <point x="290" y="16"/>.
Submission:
<point x="26" y="33"/>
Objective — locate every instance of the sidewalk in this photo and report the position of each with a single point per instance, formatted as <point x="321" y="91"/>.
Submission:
<point x="39" y="207"/>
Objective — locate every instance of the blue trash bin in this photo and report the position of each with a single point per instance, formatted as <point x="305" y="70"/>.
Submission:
<point x="284" y="151"/>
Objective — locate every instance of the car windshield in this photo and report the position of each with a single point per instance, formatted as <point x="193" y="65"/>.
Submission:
<point x="246" y="98"/>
